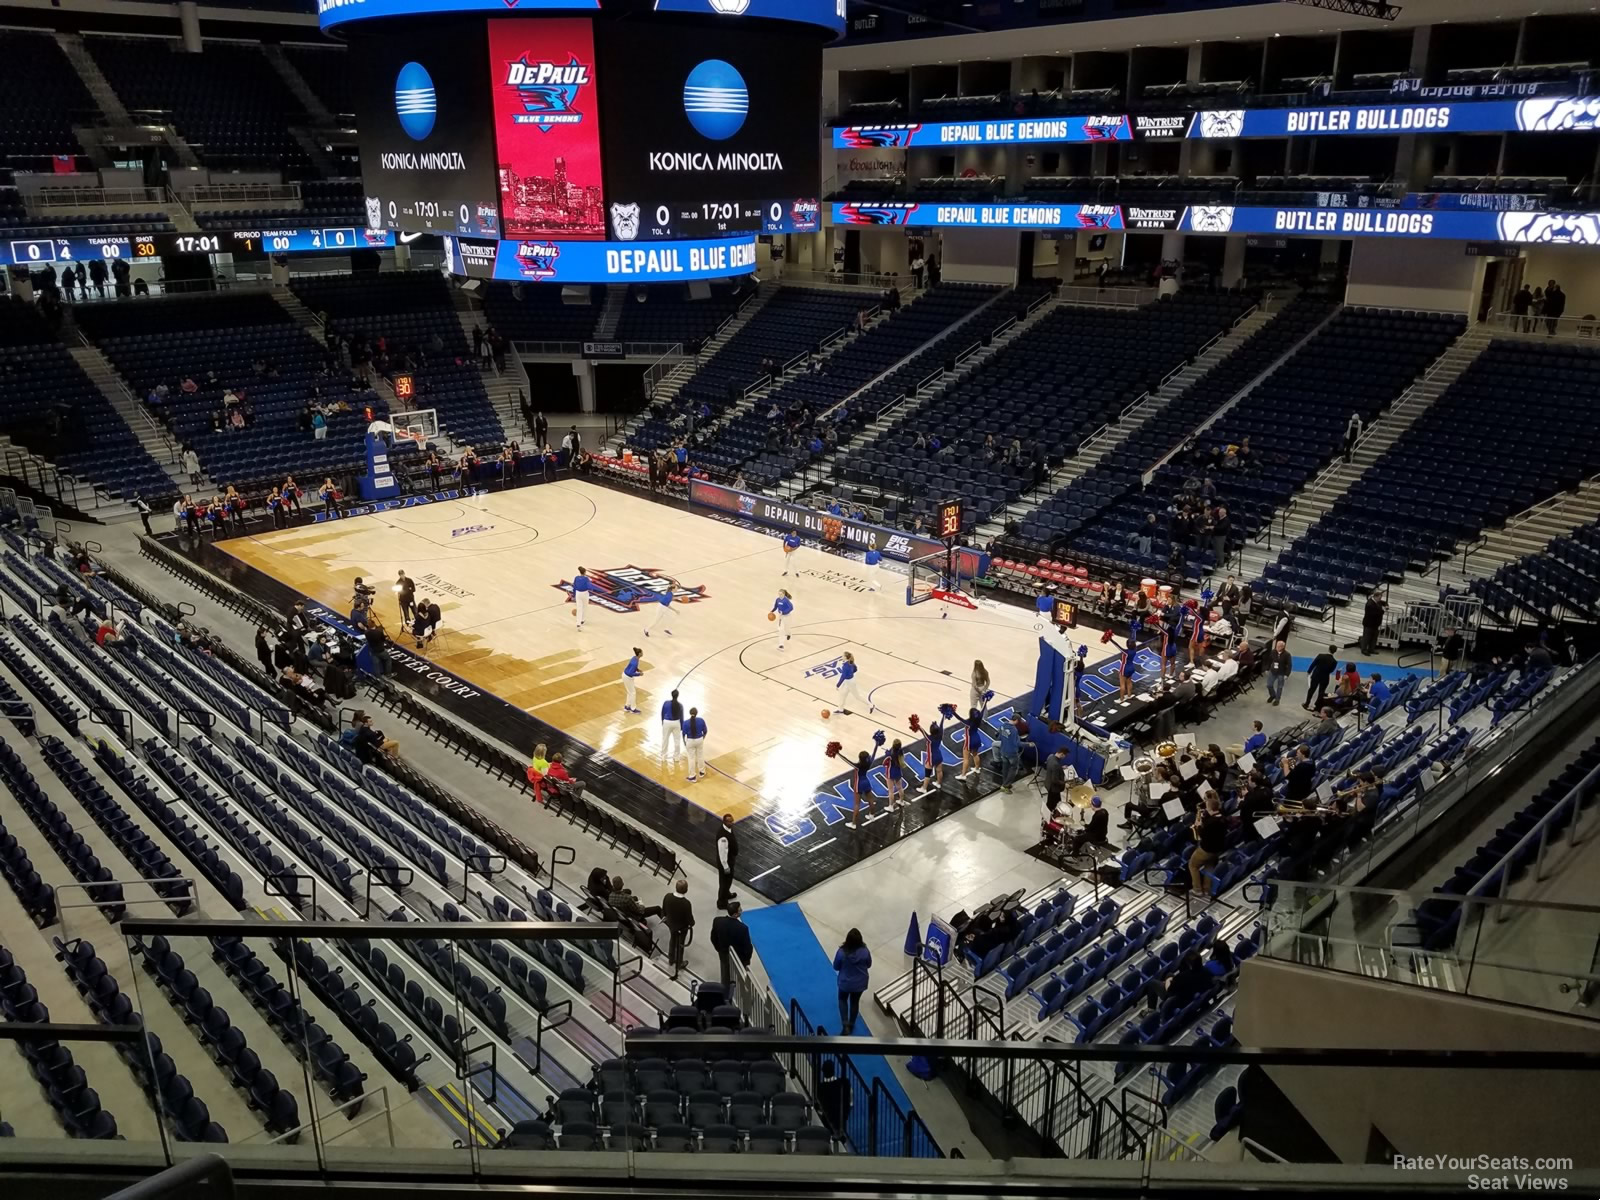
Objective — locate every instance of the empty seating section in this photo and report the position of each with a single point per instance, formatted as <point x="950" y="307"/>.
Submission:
<point x="1467" y="463"/>
<point x="408" y="309"/>
<point x="1504" y="858"/>
<point x="227" y="102"/>
<point x="164" y="341"/>
<point x="1562" y="579"/>
<point x="1118" y="477"/>
<point x="328" y="73"/>
<point x="1062" y="379"/>
<point x="668" y="314"/>
<point x="333" y="201"/>
<point x="51" y="407"/>
<point x="755" y="441"/>
<point x="792" y="322"/>
<point x="541" y="313"/>
<point x="1294" y="419"/>
<point x="42" y="98"/>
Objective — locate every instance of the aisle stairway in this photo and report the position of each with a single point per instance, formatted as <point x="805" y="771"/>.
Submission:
<point x="1148" y="406"/>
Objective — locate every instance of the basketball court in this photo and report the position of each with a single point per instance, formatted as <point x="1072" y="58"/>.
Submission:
<point x="498" y="565"/>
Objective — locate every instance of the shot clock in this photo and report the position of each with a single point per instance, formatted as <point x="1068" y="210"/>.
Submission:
<point x="949" y="522"/>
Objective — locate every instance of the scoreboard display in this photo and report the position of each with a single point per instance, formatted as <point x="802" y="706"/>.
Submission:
<point x="534" y="127"/>
<point x="138" y="247"/>
<point x="710" y="131"/>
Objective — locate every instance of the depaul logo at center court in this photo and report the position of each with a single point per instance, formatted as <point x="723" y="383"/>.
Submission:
<point x="624" y="589"/>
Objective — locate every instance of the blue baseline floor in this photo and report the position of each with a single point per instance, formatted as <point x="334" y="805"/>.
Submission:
<point x="801" y="969"/>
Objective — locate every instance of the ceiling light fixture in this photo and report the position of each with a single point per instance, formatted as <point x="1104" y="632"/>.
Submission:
<point x="1378" y="10"/>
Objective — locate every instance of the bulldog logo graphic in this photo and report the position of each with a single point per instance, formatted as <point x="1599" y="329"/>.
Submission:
<point x="1547" y="115"/>
<point x="374" y="212"/>
<point x="1556" y="228"/>
<point x="625" y="221"/>
<point x="1211" y="218"/>
<point x="1222" y="123"/>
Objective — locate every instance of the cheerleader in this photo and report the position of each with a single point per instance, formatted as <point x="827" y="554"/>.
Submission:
<point x="329" y="494"/>
<point x="847" y="685"/>
<point x="291" y="494"/>
<point x="861" y="778"/>
<point x="275" y="506"/>
<point x="1197" y="635"/>
<point x="894" y="760"/>
<point x="1125" y="671"/>
<point x="235" y="504"/>
<point x="782" y="607"/>
<point x="934" y="778"/>
<point x="969" y="744"/>
<point x="217" y="512"/>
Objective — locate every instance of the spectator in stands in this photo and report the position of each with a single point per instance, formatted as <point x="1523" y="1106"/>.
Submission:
<point x="1190" y="980"/>
<point x="1371" y="621"/>
<point x="367" y="742"/>
<point x="319" y="424"/>
<point x="191" y="464"/>
<point x="1318" y="675"/>
<point x="1221" y="965"/>
<point x="730" y="938"/>
<point x="1145" y="538"/>
<point x="1221" y="529"/>
<point x="1301" y="773"/>
<point x="628" y="905"/>
<point x="1377" y="690"/>
<point x="140" y="287"/>
<point x="851" y="962"/>
<point x="1252" y="745"/>
<point x="1555" y="303"/>
<point x="97" y="276"/>
<point x="1455" y="646"/>
<point x="1350" y="685"/>
<point x="1328" y="726"/>
<point x="1540" y="657"/>
<point x="263" y="649"/>
<point x="677" y="914"/>
<point x="1520" y="304"/>
<point x="68" y="278"/>
<point x="1352" y="435"/>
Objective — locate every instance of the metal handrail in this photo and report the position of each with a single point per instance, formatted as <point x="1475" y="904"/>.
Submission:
<point x="202" y="1168"/>
<point x="48" y="197"/>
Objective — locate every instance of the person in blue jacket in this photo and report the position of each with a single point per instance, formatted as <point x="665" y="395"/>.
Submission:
<point x="791" y="545"/>
<point x="672" y="723"/>
<point x="694" y="737"/>
<point x="852" y="961"/>
<point x="580" y="595"/>
<point x="874" y="564"/>
<point x="846" y="685"/>
<point x="630" y="682"/>
<point x="1008" y="753"/>
<point x="783" y="606"/>
<point x="664" y="616"/>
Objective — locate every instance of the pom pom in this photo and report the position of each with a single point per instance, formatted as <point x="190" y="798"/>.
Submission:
<point x="949" y="710"/>
<point x="915" y="723"/>
<point x="1107" y="636"/>
<point x="833" y="750"/>
<point x="879" y="738"/>
<point x="989" y="695"/>
<point x="1083" y="651"/>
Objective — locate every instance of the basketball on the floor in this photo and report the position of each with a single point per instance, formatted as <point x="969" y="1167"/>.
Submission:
<point x="574" y="612"/>
<point x="772" y="616"/>
<point x="826" y="713"/>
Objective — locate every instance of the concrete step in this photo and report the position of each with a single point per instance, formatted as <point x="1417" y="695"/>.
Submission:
<point x="94" y="79"/>
<point x="297" y="84"/>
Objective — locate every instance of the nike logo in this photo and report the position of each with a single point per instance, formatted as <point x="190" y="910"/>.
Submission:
<point x="407" y="238"/>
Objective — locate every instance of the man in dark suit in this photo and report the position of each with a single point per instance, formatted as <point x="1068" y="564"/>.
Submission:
<point x="729" y="935"/>
<point x="727" y="860"/>
<point x="678" y="916"/>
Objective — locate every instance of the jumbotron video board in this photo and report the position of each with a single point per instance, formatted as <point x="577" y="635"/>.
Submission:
<point x="558" y="127"/>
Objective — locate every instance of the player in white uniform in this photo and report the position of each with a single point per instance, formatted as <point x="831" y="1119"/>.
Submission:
<point x="664" y="617"/>
<point x="580" y="595"/>
<point x="874" y="564"/>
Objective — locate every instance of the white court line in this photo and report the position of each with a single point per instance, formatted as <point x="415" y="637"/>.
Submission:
<point x="765" y="873"/>
<point x="829" y="842"/>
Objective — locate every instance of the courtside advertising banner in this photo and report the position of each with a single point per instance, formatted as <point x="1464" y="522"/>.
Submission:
<point x="838" y="531"/>
<point x="547" y="128"/>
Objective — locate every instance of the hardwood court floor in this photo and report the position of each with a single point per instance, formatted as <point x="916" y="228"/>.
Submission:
<point x="492" y="564"/>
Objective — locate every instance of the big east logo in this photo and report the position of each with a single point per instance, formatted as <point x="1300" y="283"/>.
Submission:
<point x="548" y="91"/>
